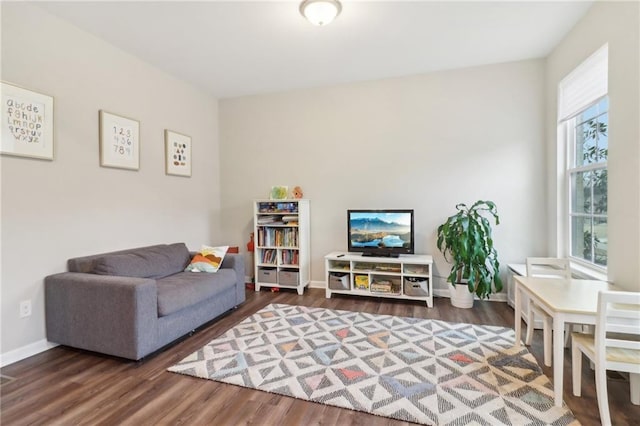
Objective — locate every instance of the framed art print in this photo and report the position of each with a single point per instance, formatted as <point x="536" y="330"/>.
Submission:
<point x="27" y="123"/>
<point x="119" y="141"/>
<point x="177" y="149"/>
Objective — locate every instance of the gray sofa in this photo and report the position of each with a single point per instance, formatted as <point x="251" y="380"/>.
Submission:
<point x="133" y="302"/>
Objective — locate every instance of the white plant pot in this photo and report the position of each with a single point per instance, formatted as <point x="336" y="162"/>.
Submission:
<point x="461" y="297"/>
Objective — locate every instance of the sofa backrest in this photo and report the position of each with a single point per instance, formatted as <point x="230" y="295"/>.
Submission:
<point x="144" y="262"/>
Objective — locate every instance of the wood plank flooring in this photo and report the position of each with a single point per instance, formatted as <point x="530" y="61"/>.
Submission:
<point x="65" y="386"/>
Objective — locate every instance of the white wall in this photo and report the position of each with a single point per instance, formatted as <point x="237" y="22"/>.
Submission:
<point x="617" y="23"/>
<point x="52" y="211"/>
<point x="425" y="142"/>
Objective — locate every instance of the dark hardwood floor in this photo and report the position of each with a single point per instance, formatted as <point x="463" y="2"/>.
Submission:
<point x="64" y="386"/>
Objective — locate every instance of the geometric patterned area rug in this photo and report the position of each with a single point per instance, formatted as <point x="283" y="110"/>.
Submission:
<point x="417" y="370"/>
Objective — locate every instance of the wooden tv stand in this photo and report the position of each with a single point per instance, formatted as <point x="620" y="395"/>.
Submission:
<point x="407" y="277"/>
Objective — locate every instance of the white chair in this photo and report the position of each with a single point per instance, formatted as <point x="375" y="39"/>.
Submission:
<point x="547" y="267"/>
<point x="614" y="346"/>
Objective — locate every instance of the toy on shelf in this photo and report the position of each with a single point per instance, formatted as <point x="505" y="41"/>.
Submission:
<point x="251" y="244"/>
<point x="251" y="247"/>
<point x="296" y="192"/>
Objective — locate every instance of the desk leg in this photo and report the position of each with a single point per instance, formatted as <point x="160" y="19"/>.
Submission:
<point x="518" y="313"/>
<point x="558" y="357"/>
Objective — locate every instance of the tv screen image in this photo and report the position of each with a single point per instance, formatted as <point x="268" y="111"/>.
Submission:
<point x="380" y="232"/>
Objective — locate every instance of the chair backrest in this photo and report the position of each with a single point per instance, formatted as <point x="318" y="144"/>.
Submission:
<point x="548" y="267"/>
<point x="618" y="324"/>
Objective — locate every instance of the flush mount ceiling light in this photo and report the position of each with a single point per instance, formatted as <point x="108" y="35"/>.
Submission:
<point x="320" y="12"/>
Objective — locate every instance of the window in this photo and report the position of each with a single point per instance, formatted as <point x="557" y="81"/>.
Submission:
<point x="587" y="173"/>
<point x="583" y="108"/>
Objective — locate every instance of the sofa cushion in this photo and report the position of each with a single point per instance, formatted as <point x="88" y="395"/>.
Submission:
<point x="185" y="289"/>
<point x="150" y="262"/>
<point x="86" y="264"/>
<point x="208" y="260"/>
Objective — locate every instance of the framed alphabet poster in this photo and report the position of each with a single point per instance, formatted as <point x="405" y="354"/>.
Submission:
<point x="177" y="153"/>
<point x="119" y="141"/>
<point x="27" y="123"/>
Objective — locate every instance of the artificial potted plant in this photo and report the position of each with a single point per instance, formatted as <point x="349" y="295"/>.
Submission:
<point x="466" y="242"/>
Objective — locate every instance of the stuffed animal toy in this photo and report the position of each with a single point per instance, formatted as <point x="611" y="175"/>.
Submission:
<point x="296" y="192"/>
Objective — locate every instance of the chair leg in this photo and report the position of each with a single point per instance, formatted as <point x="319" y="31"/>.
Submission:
<point x="634" y="382"/>
<point x="547" y="329"/>
<point x="530" y="325"/>
<point x="567" y="334"/>
<point x="576" y="369"/>
<point x="602" y="394"/>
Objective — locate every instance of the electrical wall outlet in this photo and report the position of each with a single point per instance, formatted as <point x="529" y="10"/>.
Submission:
<point x="25" y="308"/>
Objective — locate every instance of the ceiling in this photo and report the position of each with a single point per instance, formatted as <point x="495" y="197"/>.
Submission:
<point x="238" y="48"/>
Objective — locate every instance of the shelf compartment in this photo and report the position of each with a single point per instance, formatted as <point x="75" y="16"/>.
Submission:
<point x="267" y="275"/>
<point x="363" y="267"/>
<point x="269" y="207"/>
<point x="361" y="282"/>
<point x="394" y="268"/>
<point x="288" y="277"/>
<point x="268" y="256"/>
<point x="411" y="269"/>
<point x="338" y="281"/>
<point x="339" y="265"/>
<point x="288" y="257"/>
<point x="283" y="236"/>
<point x="383" y="284"/>
<point x="416" y="286"/>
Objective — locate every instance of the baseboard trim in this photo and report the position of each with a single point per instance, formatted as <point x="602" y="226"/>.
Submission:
<point x="317" y="284"/>
<point x="497" y="297"/>
<point x="25" y="352"/>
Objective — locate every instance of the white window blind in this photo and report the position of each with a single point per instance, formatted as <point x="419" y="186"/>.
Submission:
<point x="584" y="85"/>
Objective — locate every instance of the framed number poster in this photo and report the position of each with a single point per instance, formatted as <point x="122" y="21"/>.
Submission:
<point x="177" y="153"/>
<point x="27" y="123"/>
<point x="119" y="141"/>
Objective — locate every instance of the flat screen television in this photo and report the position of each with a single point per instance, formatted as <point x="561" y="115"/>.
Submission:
<point x="384" y="233"/>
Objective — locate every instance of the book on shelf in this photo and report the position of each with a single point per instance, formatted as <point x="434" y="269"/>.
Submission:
<point x="361" y="282"/>
<point x="387" y="268"/>
<point x="289" y="257"/>
<point x="269" y="256"/>
<point x="270" y="237"/>
<point x="266" y="219"/>
<point x="384" y="287"/>
<point x="381" y="287"/>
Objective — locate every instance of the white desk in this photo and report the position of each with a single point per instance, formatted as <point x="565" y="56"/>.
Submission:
<point x="565" y="300"/>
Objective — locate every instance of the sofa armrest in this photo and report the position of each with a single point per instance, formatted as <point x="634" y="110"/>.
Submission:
<point x="108" y="314"/>
<point x="235" y="261"/>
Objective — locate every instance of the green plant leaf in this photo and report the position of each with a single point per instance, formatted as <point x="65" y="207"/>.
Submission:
<point x="465" y="240"/>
